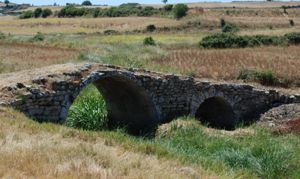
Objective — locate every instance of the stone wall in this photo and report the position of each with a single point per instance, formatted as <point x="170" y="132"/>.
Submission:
<point x="137" y="97"/>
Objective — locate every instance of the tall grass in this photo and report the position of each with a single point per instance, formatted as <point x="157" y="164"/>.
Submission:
<point x="88" y="111"/>
<point x="257" y="154"/>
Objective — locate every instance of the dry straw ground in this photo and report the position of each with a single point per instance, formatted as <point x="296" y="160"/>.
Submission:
<point x="225" y="64"/>
<point x="29" y="150"/>
<point x="21" y="56"/>
<point x="79" y="25"/>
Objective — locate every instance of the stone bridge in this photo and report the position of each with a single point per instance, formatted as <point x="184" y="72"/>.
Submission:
<point x="136" y="98"/>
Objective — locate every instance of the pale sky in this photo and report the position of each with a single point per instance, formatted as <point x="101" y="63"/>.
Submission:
<point x="109" y="2"/>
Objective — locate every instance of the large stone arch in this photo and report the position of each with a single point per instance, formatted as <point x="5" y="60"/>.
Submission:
<point x="128" y="103"/>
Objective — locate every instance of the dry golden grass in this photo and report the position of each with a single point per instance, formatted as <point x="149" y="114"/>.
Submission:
<point x="32" y="150"/>
<point x="79" y="25"/>
<point x="225" y="64"/>
<point x="21" y="56"/>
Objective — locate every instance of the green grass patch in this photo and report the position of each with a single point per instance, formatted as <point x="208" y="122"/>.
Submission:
<point x="88" y="112"/>
<point x="267" y="78"/>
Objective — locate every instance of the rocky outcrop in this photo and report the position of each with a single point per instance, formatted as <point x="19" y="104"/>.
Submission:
<point x="280" y="115"/>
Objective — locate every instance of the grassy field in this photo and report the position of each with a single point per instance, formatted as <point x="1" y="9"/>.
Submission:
<point x="183" y="148"/>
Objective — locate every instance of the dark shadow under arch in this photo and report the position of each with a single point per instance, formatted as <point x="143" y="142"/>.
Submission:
<point x="217" y="113"/>
<point x="128" y="105"/>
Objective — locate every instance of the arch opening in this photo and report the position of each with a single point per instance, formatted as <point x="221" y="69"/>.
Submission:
<point x="128" y="105"/>
<point x="217" y="113"/>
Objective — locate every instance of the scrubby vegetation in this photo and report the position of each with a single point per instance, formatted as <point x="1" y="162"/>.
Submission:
<point x="180" y="10"/>
<point x="267" y="78"/>
<point x="121" y="11"/>
<point x="124" y="10"/>
<point x="149" y="41"/>
<point x="38" y="37"/>
<point x="229" y="40"/>
<point x="38" y="12"/>
<point x="88" y="112"/>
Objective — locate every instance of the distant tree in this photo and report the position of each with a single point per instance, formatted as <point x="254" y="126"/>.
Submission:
<point x="180" y="10"/>
<point x="37" y="12"/>
<point x="55" y="4"/>
<point x="165" y="1"/>
<point x="6" y="2"/>
<point x="46" y="12"/>
<point x="87" y="3"/>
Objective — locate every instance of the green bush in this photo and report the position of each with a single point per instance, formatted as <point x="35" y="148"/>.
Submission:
<point x="37" y="12"/>
<point x="151" y="28"/>
<point x="110" y="32"/>
<point x="180" y="10"/>
<point x="38" y="37"/>
<point x="267" y="78"/>
<point x="2" y="36"/>
<point x="149" y="41"/>
<point x="46" y="13"/>
<point x="266" y="40"/>
<point x="230" y="40"/>
<point x="124" y="10"/>
<point x="222" y="22"/>
<point x="293" y="38"/>
<point x="224" y="40"/>
<point x="168" y="7"/>
<point x="230" y="28"/>
<point x="292" y="23"/>
<point x="26" y="15"/>
<point x="88" y="111"/>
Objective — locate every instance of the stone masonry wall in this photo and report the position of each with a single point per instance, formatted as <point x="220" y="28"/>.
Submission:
<point x="48" y="97"/>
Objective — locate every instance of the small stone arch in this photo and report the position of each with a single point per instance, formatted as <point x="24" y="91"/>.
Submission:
<point x="128" y="104"/>
<point x="217" y="112"/>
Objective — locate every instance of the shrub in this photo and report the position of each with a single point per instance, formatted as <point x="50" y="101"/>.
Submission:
<point x="26" y="15"/>
<point x="266" y="40"/>
<point x="147" y="11"/>
<point x="229" y="40"/>
<point x="180" y="10"/>
<point x="151" y="28"/>
<point x="293" y="38"/>
<point x="230" y="28"/>
<point x="37" y="12"/>
<point x="46" y="13"/>
<point x="168" y="7"/>
<point x="224" y="40"/>
<point x="149" y="41"/>
<point x="110" y="32"/>
<point x="292" y="23"/>
<point x="38" y="37"/>
<point x="222" y="22"/>
<point x="88" y="113"/>
<point x="2" y="36"/>
<point x="263" y="77"/>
